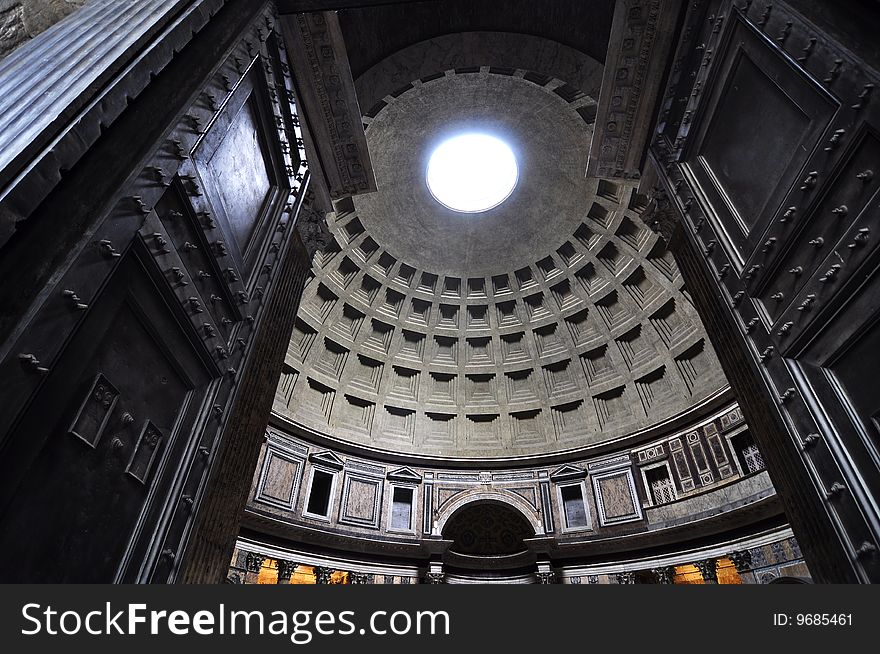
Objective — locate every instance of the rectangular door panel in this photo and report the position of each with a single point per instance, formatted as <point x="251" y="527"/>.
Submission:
<point x="240" y="157"/>
<point x="834" y="366"/>
<point x="819" y="245"/>
<point x="740" y="134"/>
<point x="756" y="129"/>
<point x="239" y="165"/>
<point x="105" y="428"/>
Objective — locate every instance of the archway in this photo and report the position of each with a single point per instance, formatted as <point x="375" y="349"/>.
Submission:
<point x="487" y="528"/>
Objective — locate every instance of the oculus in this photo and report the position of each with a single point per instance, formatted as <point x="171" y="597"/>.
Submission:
<point x="472" y="172"/>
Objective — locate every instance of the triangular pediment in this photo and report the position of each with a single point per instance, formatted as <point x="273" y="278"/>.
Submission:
<point x="405" y="474"/>
<point x="568" y="472"/>
<point x="327" y="458"/>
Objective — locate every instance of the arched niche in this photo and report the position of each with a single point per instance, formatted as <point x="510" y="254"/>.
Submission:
<point x="488" y="527"/>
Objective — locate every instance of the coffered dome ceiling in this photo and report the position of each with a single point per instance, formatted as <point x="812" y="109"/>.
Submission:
<point x="554" y="322"/>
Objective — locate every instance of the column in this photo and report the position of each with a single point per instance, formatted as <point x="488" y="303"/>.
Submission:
<point x="322" y="575"/>
<point x="545" y="574"/>
<point x="628" y="577"/>
<point x="253" y="563"/>
<point x="435" y="574"/>
<point x="708" y="569"/>
<point x="742" y="561"/>
<point x="663" y="574"/>
<point x="285" y="571"/>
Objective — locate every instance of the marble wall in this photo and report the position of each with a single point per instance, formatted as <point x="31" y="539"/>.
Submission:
<point x="604" y="502"/>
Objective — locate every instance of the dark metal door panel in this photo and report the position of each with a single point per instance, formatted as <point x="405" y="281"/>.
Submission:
<point x="118" y="404"/>
<point x="838" y="356"/>
<point x="142" y="286"/>
<point x="778" y="192"/>
<point x="821" y="245"/>
<point x="199" y="271"/>
<point x="238" y="162"/>
<point x="240" y="157"/>
<point x="835" y="374"/>
<point x="756" y="130"/>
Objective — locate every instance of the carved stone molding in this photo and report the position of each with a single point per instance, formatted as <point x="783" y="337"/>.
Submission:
<point x="660" y="214"/>
<point x="663" y="574"/>
<point x="360" y="578"/>
<point x="545" y="577"/>
<point x="435" y="578"/>
<point x="742" y="560"/>
<point x="312" y="227"/>
<point x="322" y="575"/>
<point x="253" y="562"/>
<point x="641" y="39"/>
<point x="626" y="578"/>
<point x="285" y="571"/>
<point x="326" y="90"/>
<point x="708" y="570"/>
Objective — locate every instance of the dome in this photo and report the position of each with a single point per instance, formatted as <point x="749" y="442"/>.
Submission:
<point x="554" y="322"/>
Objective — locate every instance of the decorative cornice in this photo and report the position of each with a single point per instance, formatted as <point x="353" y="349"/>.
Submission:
<point x="567" y="472"/>
<point x="404" y="474"/>
<point x="611" y="463"/>
<point x="642" y="36"/>
<point x="328" y="459"/>
<point x="326" y="91"/>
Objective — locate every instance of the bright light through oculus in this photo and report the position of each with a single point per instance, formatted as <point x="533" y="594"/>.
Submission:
<point x="472" y="172"/>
